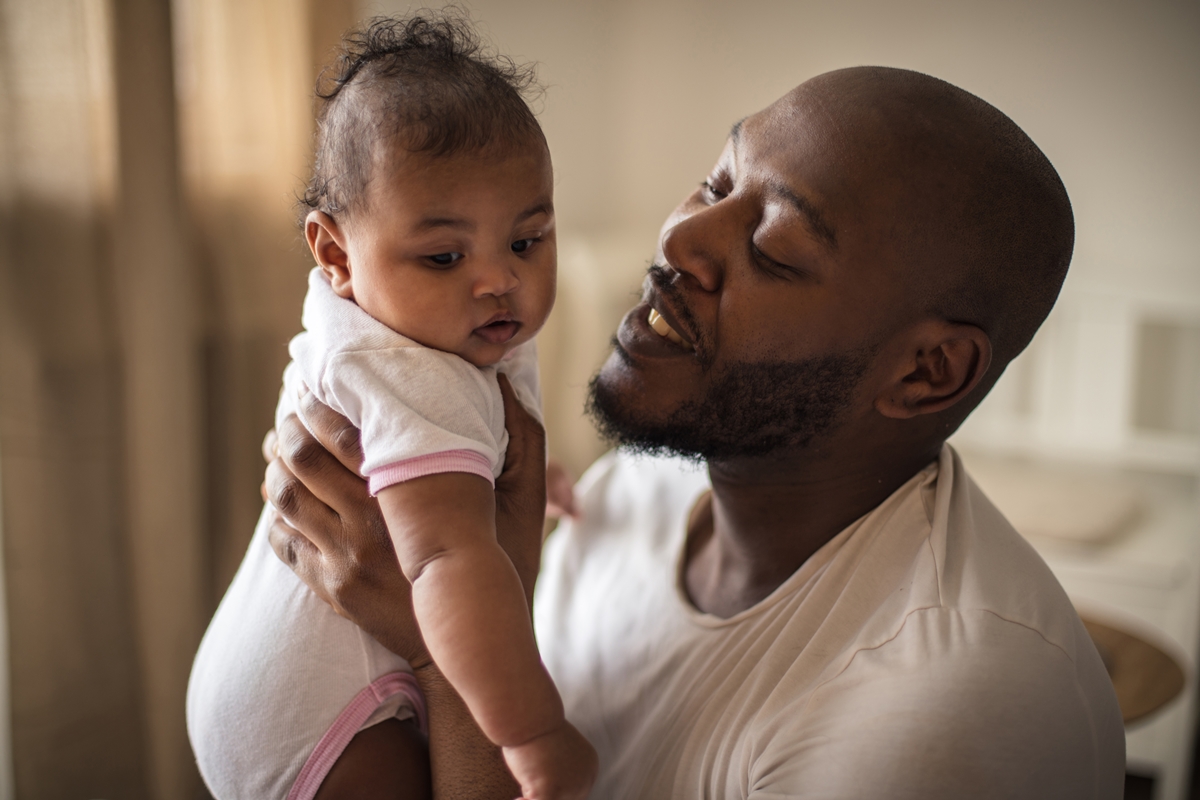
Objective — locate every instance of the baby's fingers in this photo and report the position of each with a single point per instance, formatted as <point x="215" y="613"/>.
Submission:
<point x="270" y="446"/>
<point x="560" y="491"/>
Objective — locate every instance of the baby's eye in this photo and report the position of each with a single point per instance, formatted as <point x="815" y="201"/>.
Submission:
<point x="445" y="259"/>
<point x="523" y="245"/>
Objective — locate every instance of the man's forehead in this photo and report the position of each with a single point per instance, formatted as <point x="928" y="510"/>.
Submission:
<point x="832" y="142"/>
<point x="811" y="109"/>
<point x="780" y="182"/>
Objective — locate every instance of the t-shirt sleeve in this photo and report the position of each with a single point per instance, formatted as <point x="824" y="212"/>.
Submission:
<point x="420" y="411"/>
<point x="956" y="705"/>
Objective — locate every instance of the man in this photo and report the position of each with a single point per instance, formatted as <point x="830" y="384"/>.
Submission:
<point x="843" y="614"/>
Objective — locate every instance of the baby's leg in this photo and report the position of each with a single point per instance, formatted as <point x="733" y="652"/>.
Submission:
<point x="388" y="760"/>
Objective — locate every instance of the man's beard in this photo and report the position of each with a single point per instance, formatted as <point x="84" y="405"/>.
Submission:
<point x="751" y="409"/>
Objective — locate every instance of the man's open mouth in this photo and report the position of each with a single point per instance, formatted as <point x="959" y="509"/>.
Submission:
<point x="659" y="325"/>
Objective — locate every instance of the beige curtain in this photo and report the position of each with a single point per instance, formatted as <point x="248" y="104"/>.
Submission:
<point x="150" y="277"/>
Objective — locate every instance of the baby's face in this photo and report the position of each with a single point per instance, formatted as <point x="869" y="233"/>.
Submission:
<point x="458" y="253"/>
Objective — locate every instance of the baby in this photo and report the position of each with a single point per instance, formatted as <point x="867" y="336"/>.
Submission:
<point x="432" y="225"/>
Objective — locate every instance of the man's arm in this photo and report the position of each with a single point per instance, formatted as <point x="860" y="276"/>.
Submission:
<point x="345" y="555"/>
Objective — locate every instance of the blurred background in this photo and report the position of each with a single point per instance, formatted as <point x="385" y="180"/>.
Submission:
<point x="151" y="274"/>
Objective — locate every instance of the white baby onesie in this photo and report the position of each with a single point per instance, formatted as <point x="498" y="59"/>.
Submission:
<point x="281" y="683"/>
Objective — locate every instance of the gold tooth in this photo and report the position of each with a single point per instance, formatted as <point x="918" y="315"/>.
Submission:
<point x="663" y="328"/>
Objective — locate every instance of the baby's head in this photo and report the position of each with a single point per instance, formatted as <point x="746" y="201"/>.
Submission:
<point x="431" y="201"/>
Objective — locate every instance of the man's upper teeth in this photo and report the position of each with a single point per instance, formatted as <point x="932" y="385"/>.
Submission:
<point x="662" y="328"/>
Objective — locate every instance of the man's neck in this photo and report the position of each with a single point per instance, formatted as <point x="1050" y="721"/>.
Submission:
<point x="768" y="516"/>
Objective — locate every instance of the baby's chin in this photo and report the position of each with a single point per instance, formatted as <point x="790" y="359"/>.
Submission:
<point x="482" y="353"/>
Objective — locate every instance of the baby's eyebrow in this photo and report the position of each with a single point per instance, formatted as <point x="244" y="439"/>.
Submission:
<point x="544" y="207"/>
<point x="429" y="223"/>
<point x="464" y="224"/>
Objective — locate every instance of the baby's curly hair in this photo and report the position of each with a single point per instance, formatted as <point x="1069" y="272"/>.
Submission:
<point x="424" y="79"/>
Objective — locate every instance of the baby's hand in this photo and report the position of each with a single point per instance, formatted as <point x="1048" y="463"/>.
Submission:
<point x="560" y="491"/>
<point x="560" y="765"/>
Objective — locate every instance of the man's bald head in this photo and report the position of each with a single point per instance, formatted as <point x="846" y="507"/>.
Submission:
<point x="980" y="220"/>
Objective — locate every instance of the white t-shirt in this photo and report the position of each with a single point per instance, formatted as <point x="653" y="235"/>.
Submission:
<point x="281" y="683"/>
<point x="925" y="652"/>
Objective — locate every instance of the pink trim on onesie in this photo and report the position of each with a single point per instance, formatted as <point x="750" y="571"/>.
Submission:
<point x="431" y="464"/>
<point x="349" y="722"/>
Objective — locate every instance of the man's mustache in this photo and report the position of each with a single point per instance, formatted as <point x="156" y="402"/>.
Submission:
<point x="665" y="281"/>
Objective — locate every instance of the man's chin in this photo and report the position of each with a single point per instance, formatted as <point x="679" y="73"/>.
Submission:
<point x="687" y="432"/>
<point x="750" y="410"/>
<point x="620" y="423"/>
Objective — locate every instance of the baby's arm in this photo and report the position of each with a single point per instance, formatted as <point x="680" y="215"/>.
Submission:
<point x="471" y="607"/>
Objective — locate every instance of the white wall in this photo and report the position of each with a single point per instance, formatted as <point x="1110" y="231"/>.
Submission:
<point x="642" y="94"/>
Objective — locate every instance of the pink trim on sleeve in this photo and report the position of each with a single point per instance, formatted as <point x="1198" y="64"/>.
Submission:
<point x="432" y="464"/>
<point x="349" y="722"/>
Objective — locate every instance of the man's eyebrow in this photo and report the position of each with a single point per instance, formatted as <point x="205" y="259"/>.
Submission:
<point x="810" y="212"/>
<point x="735" y="132"/>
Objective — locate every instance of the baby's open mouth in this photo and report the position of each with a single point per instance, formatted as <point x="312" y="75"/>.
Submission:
<point x="499" y="331"/>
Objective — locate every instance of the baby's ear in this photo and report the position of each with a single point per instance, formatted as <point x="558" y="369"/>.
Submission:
<point x="328" y="244"/>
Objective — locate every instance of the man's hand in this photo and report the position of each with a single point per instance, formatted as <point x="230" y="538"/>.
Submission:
<point x="330" y="531"/>
<point x="521" y="490"/>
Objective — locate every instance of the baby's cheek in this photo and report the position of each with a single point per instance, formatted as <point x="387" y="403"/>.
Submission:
<point x="545" y="290"/>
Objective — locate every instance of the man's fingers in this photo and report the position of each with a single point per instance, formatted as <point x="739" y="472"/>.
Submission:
<point x="335" y="432"/>
<point x="521" y="489"/>
<point x="309" y="460"/>
<point x="301" y="555"/>
<point x="287" y="542"/>
<point x="514" y="411"/>
<point x="526" y="436"/>
<point x="294" y="501"/>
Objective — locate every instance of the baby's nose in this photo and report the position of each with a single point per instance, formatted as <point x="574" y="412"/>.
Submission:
<point x="496" y="278"/>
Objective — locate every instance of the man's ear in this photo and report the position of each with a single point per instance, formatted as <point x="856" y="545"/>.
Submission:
<point x="327" y="241"/>
<point x="943" y="361"/>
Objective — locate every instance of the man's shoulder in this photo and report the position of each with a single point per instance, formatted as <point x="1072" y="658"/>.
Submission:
<point x="981" y="627"/>
<point x="965" y="612"/>
<point x="958" y="699"/>
<point x="986" y="570"/>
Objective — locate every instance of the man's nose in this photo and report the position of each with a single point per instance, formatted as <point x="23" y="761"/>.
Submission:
<point x="496" y="276"/>
<point x="699" y="245"/>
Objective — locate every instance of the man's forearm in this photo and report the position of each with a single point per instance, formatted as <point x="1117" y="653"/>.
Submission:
<point x="464" y="763"/>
